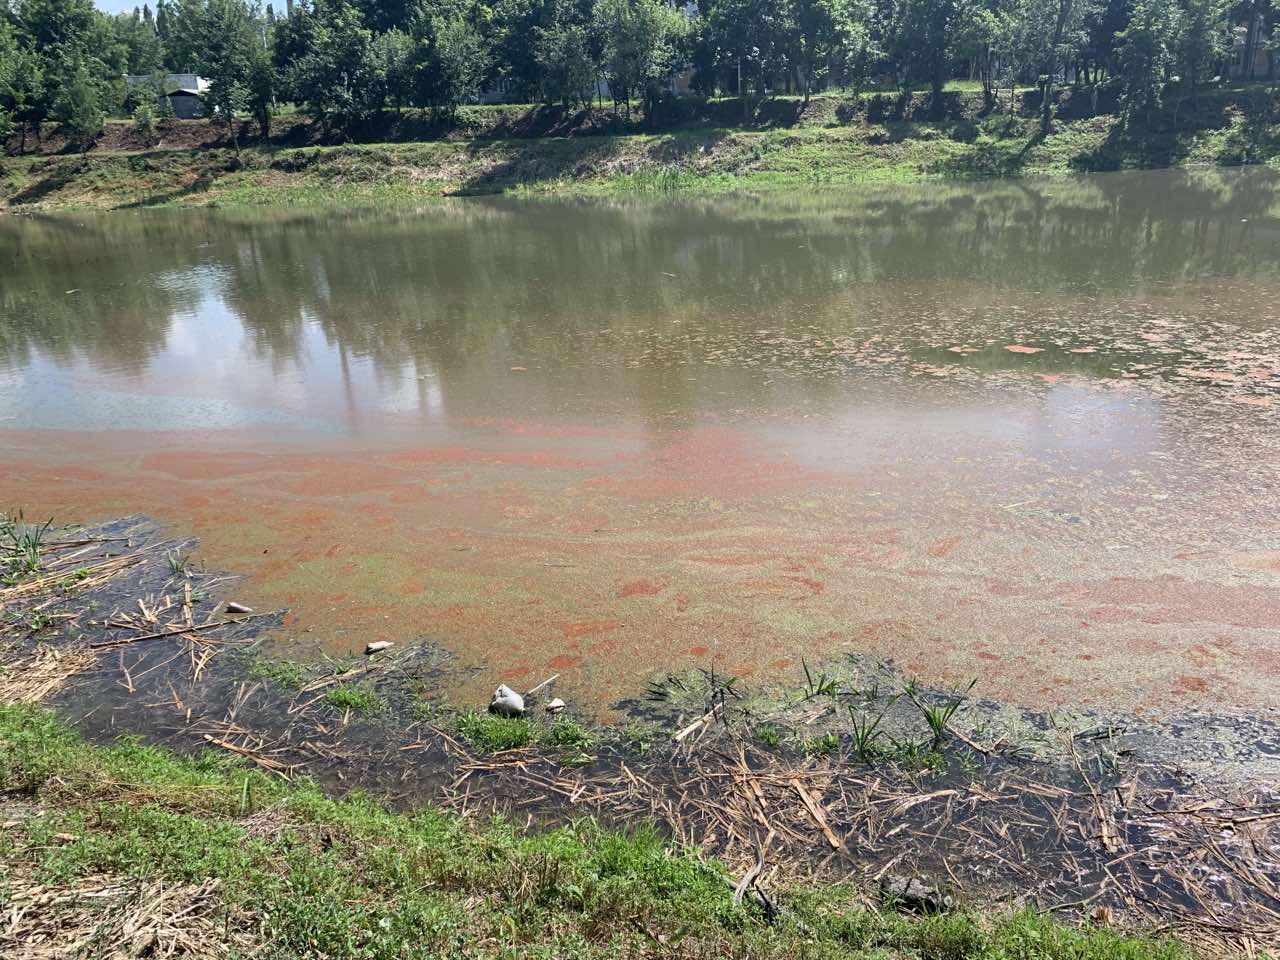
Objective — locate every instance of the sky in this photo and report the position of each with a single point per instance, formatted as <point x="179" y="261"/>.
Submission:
<point x="118" y="6"/>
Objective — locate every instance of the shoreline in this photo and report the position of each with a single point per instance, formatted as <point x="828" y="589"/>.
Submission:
<point x="718" y="768"/>
<point x="821" y="146"/>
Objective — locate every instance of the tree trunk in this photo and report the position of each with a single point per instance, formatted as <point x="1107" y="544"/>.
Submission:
<point x="1046" y="108"/>
<point x="742" y="94"/>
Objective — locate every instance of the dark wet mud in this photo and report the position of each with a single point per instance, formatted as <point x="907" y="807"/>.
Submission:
<point x="1173" y="824"/>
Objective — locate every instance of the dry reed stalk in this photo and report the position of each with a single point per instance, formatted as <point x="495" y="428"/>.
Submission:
<point x="41" y="674"/>
<point x="120" y="919"/>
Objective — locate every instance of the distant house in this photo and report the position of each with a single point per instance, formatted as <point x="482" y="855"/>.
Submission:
<point x="1250" y="57"/>
<point x="183" y="90"/>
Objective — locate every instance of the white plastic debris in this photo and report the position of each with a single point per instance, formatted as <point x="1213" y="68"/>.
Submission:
<point x="377" y="647"/>
<point x="506" y="702"/>
<point x="233" y="607"/>
<point x="556" y="705"/>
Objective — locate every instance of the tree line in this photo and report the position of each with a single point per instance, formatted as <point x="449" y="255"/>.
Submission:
<point x="345" y="62"/>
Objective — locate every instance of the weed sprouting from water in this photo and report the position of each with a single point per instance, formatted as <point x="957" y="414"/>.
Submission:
<point x="567" y="732"/>
<point x="640" y="737"/>
<point x="283" y="673"/>
<point x="23" y="547"/>
<point x="177" y="562"/>
<point x="825" y="685"/>
<point x="823" y="745"/>
<point x="866" y="736"/>
<point x="493" y="734"/>
<point x="347" y="696"/>
<point x="768" y="735"/>
<point x="938" y="715"/>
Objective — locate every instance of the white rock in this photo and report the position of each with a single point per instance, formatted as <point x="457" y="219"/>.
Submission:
<point x="556" y="705"/>
<point x="377" y="646"/>
<point x="506" y="702"/>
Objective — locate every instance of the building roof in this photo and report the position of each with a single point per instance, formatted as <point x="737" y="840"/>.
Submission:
<point x="173" y="82"/>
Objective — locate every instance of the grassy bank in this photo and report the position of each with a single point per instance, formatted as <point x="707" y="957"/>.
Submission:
<point x="131" y="848"/>
<point x="826" y="143"/>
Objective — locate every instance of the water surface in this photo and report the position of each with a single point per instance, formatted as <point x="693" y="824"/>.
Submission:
<point x="1029" y="431"/>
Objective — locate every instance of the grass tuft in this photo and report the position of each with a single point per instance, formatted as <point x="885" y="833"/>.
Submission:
<point x="357" y="699"/>
<point x="493" y="734"/>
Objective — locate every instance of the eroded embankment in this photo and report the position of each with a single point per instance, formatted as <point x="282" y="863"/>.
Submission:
<point x="863" y="774"/>
<point x="829" y="141"/>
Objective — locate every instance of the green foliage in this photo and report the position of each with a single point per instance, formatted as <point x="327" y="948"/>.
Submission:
<point x="922" y="39"/>
<point x="450" y="61"/>
<point x="346" y="61"/>
<point x="493" y="734"/>
<point x="1146" y="53"/>
<point x="307" y="870"/>
<point x="567" y="67"/>
<point x="21" y="544"/>
<point x="567" y="732"/>
<point x="336" y="76"/>
<point x="768" y="735"/>
<point x="822" y="745"/>
<point x="938" y="715"/>
<point x="283" y="673"/>
<point x="394" y="51"/>
<point x="867" y="739"/>
<point x="823" y="685"/>
<point x="640" y="46"/>
<point x="78" y="105"/>
<point x="357" y="699"/>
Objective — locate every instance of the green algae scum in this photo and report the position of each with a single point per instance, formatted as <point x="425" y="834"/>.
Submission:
<point x="907" y="560"/>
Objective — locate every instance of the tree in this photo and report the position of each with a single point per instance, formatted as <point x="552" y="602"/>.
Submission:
<point x="567" y="69"/>
<point x="813" y="34"/>
<point x="1260" y="19"/>
<point x="223" y="47"/>
<point x="639" y="46"/>
<point x="922" y="37"/>
<point x="744" y="32"/>
<point x="451" y="59"/>
<point x="8" y="64"/>
<point x="337" y="75"/>
<point x="983" y="41"/>
<point x="857" y="50"/>
<point x="394" y="51"/>
<point x="23" y="98"/>
<point x="1146" y="55"/>
<point x="78" y="104"/>
<point x="1200" y="41"/>
<point x="144" y="51"/>
<point x="1051" y="33"/>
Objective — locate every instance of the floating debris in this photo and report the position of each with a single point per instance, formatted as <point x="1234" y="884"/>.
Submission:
<point x="913" y="894"/>
<point x="506" y="702"/>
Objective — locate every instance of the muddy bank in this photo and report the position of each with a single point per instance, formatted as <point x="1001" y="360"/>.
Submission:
<point x="856" y="772"/>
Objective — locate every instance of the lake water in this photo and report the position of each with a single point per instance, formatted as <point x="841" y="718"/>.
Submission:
<point x="1024" y="431"/>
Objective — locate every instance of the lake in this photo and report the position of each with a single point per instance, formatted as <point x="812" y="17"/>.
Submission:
<point x="1024" y="431"/>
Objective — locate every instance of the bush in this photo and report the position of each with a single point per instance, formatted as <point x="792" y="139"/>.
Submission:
<point x="144" y="119"/>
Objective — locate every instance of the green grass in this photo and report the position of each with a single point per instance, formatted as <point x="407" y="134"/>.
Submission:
<point x="21" y="544"/>
<point x="353" y="697"/>
<point x="824" y="147"/>
<point x="287" y="674"/>
<point x="492" y="734"/>
<point x="823" y="745"/>
<point x="307" y="875"/>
